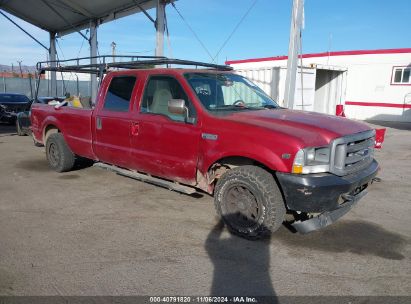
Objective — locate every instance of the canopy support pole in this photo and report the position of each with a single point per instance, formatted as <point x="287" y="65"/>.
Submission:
<point x="22" y="29"/>
<point x="53" y="55"/>
<point x="145" y="12"/>
<point x="93" y="59"/>
<point x="160" y="27"/>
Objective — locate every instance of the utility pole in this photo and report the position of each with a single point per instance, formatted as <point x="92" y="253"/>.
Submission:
<point x="30" y="83"/>
<point x="330" y="39"/>
<point x="295" y="32"/>
<point x="113" y="50"/>
<point x="4" y="82"/>
<point x="21" y="72"/>
<point x="78" y="85"/>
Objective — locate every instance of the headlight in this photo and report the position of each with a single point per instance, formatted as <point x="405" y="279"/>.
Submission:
<point x="312" y="160"/>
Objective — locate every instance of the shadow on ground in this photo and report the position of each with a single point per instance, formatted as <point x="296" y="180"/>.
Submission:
<point x="349" y="236"/>
<point x="241" y="267"/>
<point x="391" y="124"/>
<point x="7" y="130"/>
<point x="41" y="165"/>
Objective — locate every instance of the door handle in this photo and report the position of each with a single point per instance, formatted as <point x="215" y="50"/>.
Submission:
<point x="99" y="124"/>
<point x="135" y="128"/>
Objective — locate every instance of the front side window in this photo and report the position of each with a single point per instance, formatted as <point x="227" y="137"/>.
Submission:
<point x="119" y="94"/>
<point x="401" y="75"/>
<point x="159" y="91"/>
<point x="225" y="91"/>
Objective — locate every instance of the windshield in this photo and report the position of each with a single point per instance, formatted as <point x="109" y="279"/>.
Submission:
<point x="220" y="92"/>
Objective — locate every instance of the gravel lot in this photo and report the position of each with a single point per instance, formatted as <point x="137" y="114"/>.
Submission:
<point x="92" y="232"/>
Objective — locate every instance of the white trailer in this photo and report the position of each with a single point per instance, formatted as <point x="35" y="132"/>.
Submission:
<point x="323" y="86"/>
<point x="371" y="84"/>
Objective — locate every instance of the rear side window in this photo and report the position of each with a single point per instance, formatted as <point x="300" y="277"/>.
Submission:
<point x="119" y="94"/>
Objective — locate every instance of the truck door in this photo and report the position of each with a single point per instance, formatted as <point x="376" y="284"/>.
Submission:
<point x="112" y="121"/>
<point x="166" y="144"/>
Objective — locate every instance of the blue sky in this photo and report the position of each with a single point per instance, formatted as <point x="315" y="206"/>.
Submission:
<point x="351" y="24"/>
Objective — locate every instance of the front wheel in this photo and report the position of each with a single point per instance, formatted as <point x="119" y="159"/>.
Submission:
<point x="249" y="202"/>
<point x="59" y="155"/>
<point x="18" y="129"/>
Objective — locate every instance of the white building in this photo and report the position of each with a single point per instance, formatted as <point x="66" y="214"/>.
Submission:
<point x="371" y="84"/>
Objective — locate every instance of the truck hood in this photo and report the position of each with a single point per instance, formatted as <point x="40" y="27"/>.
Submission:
<point x="309" y="127"/>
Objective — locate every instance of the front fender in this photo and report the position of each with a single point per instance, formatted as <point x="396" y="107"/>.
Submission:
<point x="265" y="156"/>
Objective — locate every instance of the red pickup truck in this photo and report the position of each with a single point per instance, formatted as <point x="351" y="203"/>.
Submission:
<point x="215" y="131"/>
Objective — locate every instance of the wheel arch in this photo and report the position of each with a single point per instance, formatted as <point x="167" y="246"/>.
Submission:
<point x="207" y="180"/>
<point x="48" y="130"/>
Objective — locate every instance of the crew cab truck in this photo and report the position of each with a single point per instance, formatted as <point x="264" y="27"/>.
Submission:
<point x="213" y="130"/>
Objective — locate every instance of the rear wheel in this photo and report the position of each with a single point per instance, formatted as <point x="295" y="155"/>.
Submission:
<point x="59" y="155"/>
<point x="249" y="202"/>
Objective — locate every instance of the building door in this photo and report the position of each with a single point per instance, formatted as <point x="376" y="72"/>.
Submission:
<point x="329" y="90"/>
<point x="305" y="90"/>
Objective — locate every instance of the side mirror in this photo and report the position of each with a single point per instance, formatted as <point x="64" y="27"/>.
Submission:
<point x="177" y="106"/>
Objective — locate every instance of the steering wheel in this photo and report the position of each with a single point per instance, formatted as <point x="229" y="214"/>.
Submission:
<point x="239" y="102"/>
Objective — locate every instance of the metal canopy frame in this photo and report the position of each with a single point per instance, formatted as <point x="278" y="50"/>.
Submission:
<point x="62" y="17"/>
<point x="68" y="16"/>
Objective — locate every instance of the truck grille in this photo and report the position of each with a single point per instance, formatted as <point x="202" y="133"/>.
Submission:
<point x="352" y="153"/>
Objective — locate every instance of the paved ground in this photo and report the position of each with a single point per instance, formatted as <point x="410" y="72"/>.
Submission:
<point x="91" y="232"/>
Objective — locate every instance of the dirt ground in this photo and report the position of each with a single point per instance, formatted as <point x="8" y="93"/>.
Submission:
<point x="92" y="232"/>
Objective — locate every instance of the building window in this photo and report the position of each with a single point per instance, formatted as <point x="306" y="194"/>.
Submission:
<point x="401" y="75"/>
<point x="119" y="94"/>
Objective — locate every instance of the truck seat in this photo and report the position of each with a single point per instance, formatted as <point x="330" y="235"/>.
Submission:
<point x="160" y="102"/>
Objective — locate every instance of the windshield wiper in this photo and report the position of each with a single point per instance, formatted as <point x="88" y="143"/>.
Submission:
<point x="231" y="107"/>
<point x="269" y="106"/>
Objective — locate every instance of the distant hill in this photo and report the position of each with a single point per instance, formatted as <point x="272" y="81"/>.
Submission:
<point x="16" y="68"/>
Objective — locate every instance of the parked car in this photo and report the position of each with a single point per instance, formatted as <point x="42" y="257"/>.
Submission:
<point x="11" y="105"/>
<point x="23" y="122"/>
<point x="215" y="131"/>
<point x="5" y="116"/>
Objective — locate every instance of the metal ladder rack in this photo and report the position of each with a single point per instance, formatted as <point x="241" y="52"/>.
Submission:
<point x="127" y="62"/>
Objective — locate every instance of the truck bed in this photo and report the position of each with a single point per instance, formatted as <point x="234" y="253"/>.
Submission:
<point x="74" y="124"/>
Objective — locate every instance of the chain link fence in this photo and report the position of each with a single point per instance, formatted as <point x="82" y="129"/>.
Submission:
<point x="27" y="86"/>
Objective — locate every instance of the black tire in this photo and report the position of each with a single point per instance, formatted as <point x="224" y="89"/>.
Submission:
<point x="59" y="155"/>
<point x="257" y="209"/>
<point x="18" y="129"/>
